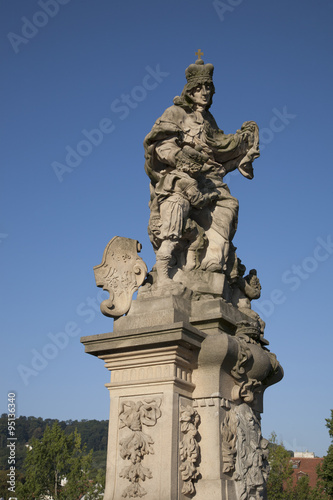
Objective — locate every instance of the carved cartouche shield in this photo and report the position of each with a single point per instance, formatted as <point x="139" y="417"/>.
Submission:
<point x="121" y="273"/>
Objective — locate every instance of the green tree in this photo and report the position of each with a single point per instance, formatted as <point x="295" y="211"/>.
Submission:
<point x="325" y="470"/>
<point x="279" y="479"/>
<point x="51" y="460"/>
<point x="302" y="490"/>
<point x="96" y="488"/>
<point x="4" y="492"/>
<point x="318" y="493"/>
<point x="79" y="466"/>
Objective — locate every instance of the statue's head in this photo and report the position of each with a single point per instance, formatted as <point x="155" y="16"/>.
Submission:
<point x="199" y="88"/>
<point x="253" y="279"/>
<point x="240" y="267"/>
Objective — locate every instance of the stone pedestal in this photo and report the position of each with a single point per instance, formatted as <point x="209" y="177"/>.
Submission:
<point x="186" y="394"/>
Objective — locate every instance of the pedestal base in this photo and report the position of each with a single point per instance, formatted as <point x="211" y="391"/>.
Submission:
<point x="185" y="402"/>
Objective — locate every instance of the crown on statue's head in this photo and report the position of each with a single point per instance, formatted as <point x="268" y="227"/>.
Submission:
<point x="199" y="72"/>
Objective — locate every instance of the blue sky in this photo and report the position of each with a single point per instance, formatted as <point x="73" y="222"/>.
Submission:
<point x="68" y="67"/>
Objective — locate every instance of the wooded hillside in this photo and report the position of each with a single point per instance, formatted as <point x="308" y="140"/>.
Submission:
<point x="93" y="434"/>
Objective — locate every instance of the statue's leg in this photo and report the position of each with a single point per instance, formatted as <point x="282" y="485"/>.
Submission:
<point x="219" y="228"/>
<point x="163" y="258"/>
<point x="197" y="242"/>
<point x="216" y="253"/>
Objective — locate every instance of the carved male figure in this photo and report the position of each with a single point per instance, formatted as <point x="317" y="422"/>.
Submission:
<point x="175" y="193"/>
<point x="188" y="128"/>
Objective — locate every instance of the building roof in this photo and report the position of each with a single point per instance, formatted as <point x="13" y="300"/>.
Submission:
<point x="305" y="467"/>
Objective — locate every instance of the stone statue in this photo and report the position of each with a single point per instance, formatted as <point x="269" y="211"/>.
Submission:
<point x="244" y="290"/>
<point x="187" y="356"/>
<point x="193" y="216"/>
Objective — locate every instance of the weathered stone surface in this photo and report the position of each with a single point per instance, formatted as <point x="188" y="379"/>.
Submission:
<point x="153" y="311"/>
<point x="175" y="333"/>
<point x="203" y="284"/>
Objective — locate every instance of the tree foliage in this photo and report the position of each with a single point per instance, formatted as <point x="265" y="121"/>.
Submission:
<point x="302" y="490"/>
<point x="325" y="470"/>
<point x="279" y="485"/>
<point x="31" y="430"/>
<point x="93" y="434"/>
<point x="279" y="480"/>
<point x="56" y="465"/>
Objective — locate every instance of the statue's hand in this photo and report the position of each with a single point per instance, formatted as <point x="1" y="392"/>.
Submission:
<point x="214" y="196"/>
<point x="214" y="167"/>
<point x="206" y="167"/>
<point x="209" y="197"/>
<point x="193" y="154"/>
<point x="190" y="159"/>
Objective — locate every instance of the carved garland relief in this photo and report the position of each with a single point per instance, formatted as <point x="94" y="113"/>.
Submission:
<point x="244" y="452"/>
<point x="229" y="437"/>
<point x="188" y="448"/>
<point x="134" y="415"/>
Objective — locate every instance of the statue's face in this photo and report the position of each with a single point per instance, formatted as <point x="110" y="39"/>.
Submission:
<point x="201" y="94"/>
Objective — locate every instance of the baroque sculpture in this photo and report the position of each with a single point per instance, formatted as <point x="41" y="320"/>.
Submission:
<point x="190" y="343"/>
<point x="193" y="215"/>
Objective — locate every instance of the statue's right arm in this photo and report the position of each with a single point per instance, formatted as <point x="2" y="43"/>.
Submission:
<point x="167" y="150"/>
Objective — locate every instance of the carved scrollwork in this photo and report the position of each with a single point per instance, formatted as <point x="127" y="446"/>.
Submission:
<point x="244" y="355"/>
<point x="134" y="447"/>
<point x="189" y="449"/>
<point x="245" y="386"/>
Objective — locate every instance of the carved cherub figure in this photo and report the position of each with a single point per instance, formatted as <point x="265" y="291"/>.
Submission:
<point x="246" y="289"/>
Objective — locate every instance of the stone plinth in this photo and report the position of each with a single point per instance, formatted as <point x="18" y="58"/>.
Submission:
<point x="186" y="393"/>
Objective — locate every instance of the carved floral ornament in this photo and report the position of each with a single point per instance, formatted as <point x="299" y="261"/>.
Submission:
<point x="244" y="452"/>
<point x="133" y="415"/>
<point x="229" y="437"/>
<point x="189" y="449"/>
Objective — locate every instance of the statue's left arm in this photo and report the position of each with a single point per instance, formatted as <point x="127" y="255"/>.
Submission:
<point x="237" y="150"/>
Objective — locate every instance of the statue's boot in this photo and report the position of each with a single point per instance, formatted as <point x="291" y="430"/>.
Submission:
<point x="162" y="269"/>
<point x="216" y="254"/>
<point x="191" y="261"/>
